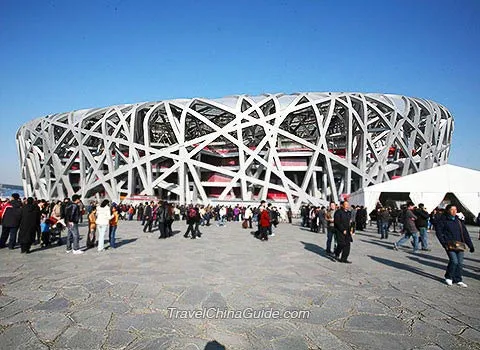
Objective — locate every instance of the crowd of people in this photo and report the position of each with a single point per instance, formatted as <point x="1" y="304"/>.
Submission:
<point x="30" y="222"/>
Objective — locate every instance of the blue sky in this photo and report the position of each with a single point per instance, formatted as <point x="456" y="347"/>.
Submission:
<point x="58" y="56"/>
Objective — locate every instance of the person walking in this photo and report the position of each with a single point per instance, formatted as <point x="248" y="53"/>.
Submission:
<point x="191" y="216"/>
<point x="330" y="226"/>
<point x="12" y="215"/>
<point x="248" y="216"/>
<point x="148" y="217"/>
<point x="454" y="238"/>
<point x="104" y="215"/>
<point x="341" y="223"/>
<point x="263" y="223"/>
<point x="162" y="219"/>
<point x="170" y="219"/>
<point x="421" y="223"/>
<point x="409" y="229"/>
<point x="29" y="223"/>
<point x="71" y="215"/>
<point x="113" y="227"/>
<point x="384" y="219"/>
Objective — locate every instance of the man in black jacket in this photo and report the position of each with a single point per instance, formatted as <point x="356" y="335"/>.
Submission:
<point x="72" y="218"/>
<point x="148" y="217"/>
<point x="422" y="223"/>
<point x="341" y="222"/>
<point x="11" y="221"/>
<point x="162" y="220"/>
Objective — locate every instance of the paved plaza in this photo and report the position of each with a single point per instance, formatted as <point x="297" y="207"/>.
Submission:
<point x="125" y="298"/>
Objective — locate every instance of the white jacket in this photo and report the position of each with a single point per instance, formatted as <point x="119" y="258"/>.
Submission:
<point x="103" y="215"/>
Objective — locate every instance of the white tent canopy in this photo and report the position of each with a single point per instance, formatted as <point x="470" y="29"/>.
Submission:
<point x="428" y="187"/>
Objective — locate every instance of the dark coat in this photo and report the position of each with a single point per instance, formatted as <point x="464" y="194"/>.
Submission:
<point x="148" y="213"/>
<point x="13" y="214"/>
<point x="341" y="220"/>
<point x="422" y="218"/>
<point x="452" y="229"/>
<point x="29" y="224"/>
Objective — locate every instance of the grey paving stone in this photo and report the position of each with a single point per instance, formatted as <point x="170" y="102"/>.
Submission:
<point x="117" y="339"/>
<point x="56" y="304"/>
<point x="20" y="337"/>
<point x="292" y="342"/>
<point x="152" y="322"/>
<point x="50" y="326"/>
<point x="376" y="323"/>
<point x="162" y="342"/>
<point x="92" y="318"/>
<point x="215" y="300"/>
<point x="384" y="299"/>
<point x="79" y="338"/>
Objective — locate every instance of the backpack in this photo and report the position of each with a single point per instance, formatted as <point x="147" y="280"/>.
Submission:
<point x="192" y="213"/>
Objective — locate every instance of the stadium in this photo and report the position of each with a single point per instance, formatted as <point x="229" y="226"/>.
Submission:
<point x="286" y="148"/>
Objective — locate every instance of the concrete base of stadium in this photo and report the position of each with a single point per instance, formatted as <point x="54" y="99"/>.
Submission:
<point x="175" y="293"/>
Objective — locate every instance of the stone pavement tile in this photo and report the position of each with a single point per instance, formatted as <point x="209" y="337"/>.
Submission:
<point x="55" y="304"/>
<point x="214" y="300"/>
<point x="92" y="318"/>
<point x="473" y="322"/>
<point x="20" y="336"/>
<point x="104" y="304"/>
<point x="5" y="300"/>
<point x="318" y="337"/>
<point x="122" y="290"/>
<point x="447" y="324"/>
<point x="441" y="338"/>
<point x="370" y="306"/>
<point x="152" y="322"/>
<point x="164" y="300"/>
<point x="189" y="343"/>
<point x="194" y="295"/>
<point x="275" y="330"/>
<point x="80" y="338"/>
<point x="472" y="335"/>
<point x="12" y="309"/>
<point x="369" y="340"/>
<point x="225" y="336"/>
<point x="147" y="343"/>
<point x="50" y="325"/>
<point x="430" y="347"/>
<point x="147" y="290"/>
<point x="117" y="339"/>
<point x="292" y="342"/>
<point x="229" y="267"/>
<point x="76" y="294"/>
<point x="376" y="324"/>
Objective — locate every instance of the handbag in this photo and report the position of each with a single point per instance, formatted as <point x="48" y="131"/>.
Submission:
<point x="458" y="246"/>
<point x="245" y="223"/>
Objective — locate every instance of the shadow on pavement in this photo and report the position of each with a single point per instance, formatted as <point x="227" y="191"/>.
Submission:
<point x="123" y="242"/>
<point x="444" y="260"/>
<point x="406" y="267"/>
<point x="214" y="345"/>
<point x="317" y="250"/>
<point x="443" y="267"/>
<point x="384" y="244"/>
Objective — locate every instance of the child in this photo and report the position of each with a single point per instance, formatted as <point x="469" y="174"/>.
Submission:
<point x="92" y="227"/>
<point x="45" y="230"/>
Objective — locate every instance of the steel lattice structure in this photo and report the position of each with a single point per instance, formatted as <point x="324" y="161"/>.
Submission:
<point x="297" y="148"/>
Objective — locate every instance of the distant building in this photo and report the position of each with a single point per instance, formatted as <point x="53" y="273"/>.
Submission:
<point x="298" y="148"/>
<point x="7" y="190"/>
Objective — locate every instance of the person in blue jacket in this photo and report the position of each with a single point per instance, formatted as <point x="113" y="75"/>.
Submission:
<point x="451" y="229"/>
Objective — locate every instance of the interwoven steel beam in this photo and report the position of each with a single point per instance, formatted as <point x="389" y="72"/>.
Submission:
<point x="298" y="148"/>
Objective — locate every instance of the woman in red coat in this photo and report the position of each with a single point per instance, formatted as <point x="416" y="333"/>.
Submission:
<point x="264" y="223"/>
